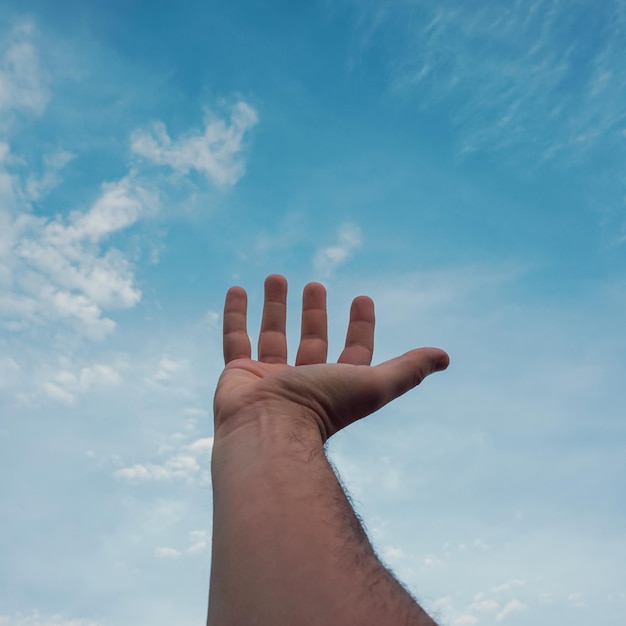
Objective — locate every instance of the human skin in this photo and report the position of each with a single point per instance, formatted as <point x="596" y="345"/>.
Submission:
<point x="288" y="548"/>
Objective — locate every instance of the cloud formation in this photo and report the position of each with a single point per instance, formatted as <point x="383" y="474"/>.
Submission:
<point x="66" y="386"/>
<point x="166" y="552"/>
<point x="22" y="80"/>
<point x="513" y="606"/>
<point x="62" y="269"/>
<point x="215" y="152"/>
<point x="188" y="464"/>
<point x="65" y="268"/>
<point x="328" y="259"/>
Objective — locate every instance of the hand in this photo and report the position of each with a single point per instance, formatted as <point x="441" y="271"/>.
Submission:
<point x="322" y="398"/>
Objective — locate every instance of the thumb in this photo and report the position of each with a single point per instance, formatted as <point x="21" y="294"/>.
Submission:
<point x="395" y="377"/>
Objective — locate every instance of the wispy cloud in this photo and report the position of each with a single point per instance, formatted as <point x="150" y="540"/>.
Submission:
<point x="198" y="542"/>
<point x="166" y="553"/>
<point x="10" y="372"/>
<point x="167" y="369"/>
<point x="187" y="464"/>
<point x="179" y="467"/>
<point x="215" y="152"/>
<point x="23" y="83"/>
<point x="329" y="258"/>
<point x="37" y="187"/>
<point x="484" y="606"/>
<point x="465" y="620"/>
<point x="514" y="606"/>
<point x="34" y="618"/>
<point x="543" y="76"/>
<point x="508" y="585"/>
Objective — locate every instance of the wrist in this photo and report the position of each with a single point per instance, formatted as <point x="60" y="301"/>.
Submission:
<point x="267" y="422"/>
<point x="258" y="434"/>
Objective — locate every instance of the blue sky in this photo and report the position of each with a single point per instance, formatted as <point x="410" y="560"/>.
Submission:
<point x="463" y="164"/>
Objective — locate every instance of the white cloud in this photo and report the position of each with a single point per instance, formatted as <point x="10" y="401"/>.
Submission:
<point x="328" y="259"/>
<point x="179" y="467"/>
<point x="22" y="80"/>
<point x="56" y="392"/>
<point x="64" y="269"/>
<point x="167" y="369"/>
<point x="465" y="620"/>
<point x="393" y="553"/>
<point x="34" y="618"/>
<point x="119" y="206"/>
<point x="204" y="445"/>
<point x="37" y="187"/>
<point x="484" y="606"/>
<point x="199" y="541"/>
<point x="444" y="602"/>
<point x="57" y="269"/>
<point x="507" y="586"/>
<point x="167" y="553"/>
<point x="98" y="375"/>
<point x="215" y="152"/>
<point x="513" y="606"/>
<point x="66" y="385"/>
<point x="187" y="462"/>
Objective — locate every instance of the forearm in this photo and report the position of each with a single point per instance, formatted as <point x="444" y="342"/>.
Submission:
<point x="287" y="546"/>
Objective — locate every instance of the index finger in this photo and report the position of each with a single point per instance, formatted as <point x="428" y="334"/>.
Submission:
<point x="360" y="337"/>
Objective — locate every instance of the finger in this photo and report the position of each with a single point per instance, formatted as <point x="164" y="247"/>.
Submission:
<point x="359" y="391"/>
<point x="314" y="333"/>
<point x="235" y="334"/>
<point x="395" y="377"/>
<point x="360" y="337"/>
<point x="272" y="340"/>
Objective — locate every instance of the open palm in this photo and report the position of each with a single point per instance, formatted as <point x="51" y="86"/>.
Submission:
<point x="313" y="394"/>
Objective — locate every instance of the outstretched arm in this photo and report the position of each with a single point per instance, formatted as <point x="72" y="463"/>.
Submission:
<point x="287" y="546"/>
